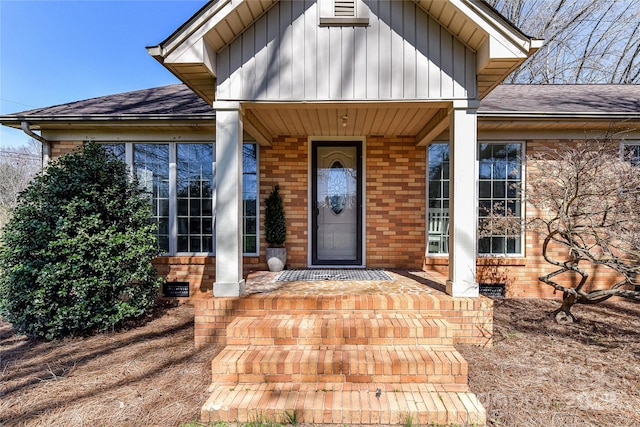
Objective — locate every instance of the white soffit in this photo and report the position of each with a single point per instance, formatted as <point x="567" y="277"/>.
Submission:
<point x="190" y="52"/>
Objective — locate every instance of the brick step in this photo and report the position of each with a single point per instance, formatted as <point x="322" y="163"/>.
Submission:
<point x="344" y="403"/>
<point x="262" y="304"/>
<point x="341" y="328"/>
<point x="340" y="363"/>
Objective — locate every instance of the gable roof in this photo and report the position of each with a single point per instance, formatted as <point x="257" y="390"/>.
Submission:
<point x="190" y="52"/>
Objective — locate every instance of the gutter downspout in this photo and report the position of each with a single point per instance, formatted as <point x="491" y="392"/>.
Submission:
<point x="46" y="145"/>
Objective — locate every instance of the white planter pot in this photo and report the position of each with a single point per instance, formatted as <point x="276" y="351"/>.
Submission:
<point x="276" y="259"/>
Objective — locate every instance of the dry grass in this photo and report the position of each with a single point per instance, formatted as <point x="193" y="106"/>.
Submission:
<point x="537" y="374"/>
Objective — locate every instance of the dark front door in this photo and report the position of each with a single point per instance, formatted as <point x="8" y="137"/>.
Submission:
<point x="337" y="203"/>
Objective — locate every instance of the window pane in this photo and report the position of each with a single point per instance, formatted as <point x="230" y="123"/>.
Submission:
<point x="151" y="166"/>
<point x="484" y="189"/>
<point x="118" y="150"/>
<point x="499" y="191"/>
<point x="194" y="166"/>
<point x="631" y="153"/>
<point x="207" y="209"/>
<point x="250" y="244"/>
<point x="250" y="197"/>
<point x="207" y="244"/>
<point x="438" y="212"/>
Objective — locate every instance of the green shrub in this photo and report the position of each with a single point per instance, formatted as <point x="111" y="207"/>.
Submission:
<point x="75" y="258"/>
<point x="275" y="227"/>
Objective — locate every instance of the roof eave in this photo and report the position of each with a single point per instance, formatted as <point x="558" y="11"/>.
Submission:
<point x="539" y="115"/>
<point x="38" y="121"/>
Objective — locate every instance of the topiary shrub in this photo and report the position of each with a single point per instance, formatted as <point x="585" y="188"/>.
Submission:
<point x="75" y="258"/>
<point x="275" y="227"/>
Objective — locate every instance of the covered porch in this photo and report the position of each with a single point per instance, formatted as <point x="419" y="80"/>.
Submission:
<point x="380" y="207"/>
<point x="388" y="78"/>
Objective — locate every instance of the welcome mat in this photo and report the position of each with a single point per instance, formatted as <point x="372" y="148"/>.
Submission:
<point x="332" y="274"/>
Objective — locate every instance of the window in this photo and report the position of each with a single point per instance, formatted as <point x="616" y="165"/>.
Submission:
<point x="179" y="181"/>
<point x="249" y="198"/>
<point x="117" y="150"/>
<point x="499" y="183"/>
<point x="631" y="152"/>
<point x="500" y="179"/>
<point x="438" y="205"/>
<point x="151" y="166"/>
<point x="195" y="197"/>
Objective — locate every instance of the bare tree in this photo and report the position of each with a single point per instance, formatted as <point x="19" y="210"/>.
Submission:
<point x="585" y="41"/>
<point x="17" y="167"/>
<point x="586" y="203"/>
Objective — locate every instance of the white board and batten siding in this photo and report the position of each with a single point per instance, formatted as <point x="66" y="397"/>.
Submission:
<point x="402" y="54"/>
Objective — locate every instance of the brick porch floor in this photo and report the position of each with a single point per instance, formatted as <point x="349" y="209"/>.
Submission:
<point x="323" y="349"/>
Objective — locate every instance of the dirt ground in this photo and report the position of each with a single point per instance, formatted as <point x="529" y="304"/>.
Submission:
<point x="536" y="374"/>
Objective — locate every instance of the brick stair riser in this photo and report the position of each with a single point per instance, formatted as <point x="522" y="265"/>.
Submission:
<point x="393" y="329"/>
<point x="296" y="304"/>
<point x="345" y="404"/>
<point x="340" y="363"/>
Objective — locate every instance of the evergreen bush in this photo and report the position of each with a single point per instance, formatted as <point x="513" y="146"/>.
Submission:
<point x="75" y="258"/>
<point x="275" y="227"/>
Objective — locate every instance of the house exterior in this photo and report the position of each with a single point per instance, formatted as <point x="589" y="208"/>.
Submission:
<point x="383" y="122"/>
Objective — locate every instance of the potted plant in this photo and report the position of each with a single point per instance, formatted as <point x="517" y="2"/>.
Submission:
<point x="275" y="230"/>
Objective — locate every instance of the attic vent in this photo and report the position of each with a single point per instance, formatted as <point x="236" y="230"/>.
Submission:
<point x="344" y="8"/>
<point x="343" y="13"/>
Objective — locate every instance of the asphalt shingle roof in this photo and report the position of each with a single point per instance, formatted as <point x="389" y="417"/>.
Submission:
<point x="178" y="101"/>
<point x="557" y="99"/>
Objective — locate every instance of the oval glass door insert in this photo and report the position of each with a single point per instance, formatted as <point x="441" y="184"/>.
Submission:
<point x="337" y="187"/>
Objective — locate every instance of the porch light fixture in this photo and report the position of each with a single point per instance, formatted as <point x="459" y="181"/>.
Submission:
<point x="344" y="120"/>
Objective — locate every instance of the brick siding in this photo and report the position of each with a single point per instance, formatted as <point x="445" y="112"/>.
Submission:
<point x="395" y="218"/>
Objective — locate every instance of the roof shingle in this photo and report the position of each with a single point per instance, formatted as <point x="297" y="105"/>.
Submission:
<point x="178" y="100"/>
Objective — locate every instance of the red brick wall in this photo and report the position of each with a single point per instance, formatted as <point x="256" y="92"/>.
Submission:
<point x="395" y="217"/>
<point x="60" y="148"/>
<point x="395" y="202"/>
<point x="285" y="163"/>
<point x="395" y="199"/>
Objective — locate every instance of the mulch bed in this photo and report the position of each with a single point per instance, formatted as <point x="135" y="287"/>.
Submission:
<point x="540" y="373"/>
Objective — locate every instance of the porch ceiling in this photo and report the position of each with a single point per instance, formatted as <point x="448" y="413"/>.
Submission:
<point x="265" y="121"/>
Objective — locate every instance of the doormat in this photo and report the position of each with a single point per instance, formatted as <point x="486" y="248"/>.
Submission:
<point x="332" y="274"/>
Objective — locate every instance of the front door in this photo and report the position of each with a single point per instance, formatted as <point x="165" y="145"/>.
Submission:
<point x="336" y="203"/>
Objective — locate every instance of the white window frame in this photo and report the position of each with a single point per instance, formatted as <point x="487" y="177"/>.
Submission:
<point x="428" y="225"/>
<point x="523" y="175"/>
<point x="173" y="217"/>
<point x="523" y="211"/>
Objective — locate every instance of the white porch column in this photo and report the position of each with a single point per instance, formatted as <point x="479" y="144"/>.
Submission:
<point x="463" y="196"/>
<point x="228" y="176"/>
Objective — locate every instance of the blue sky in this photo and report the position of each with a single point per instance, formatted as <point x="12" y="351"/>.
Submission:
<point x="54" y="51"/>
